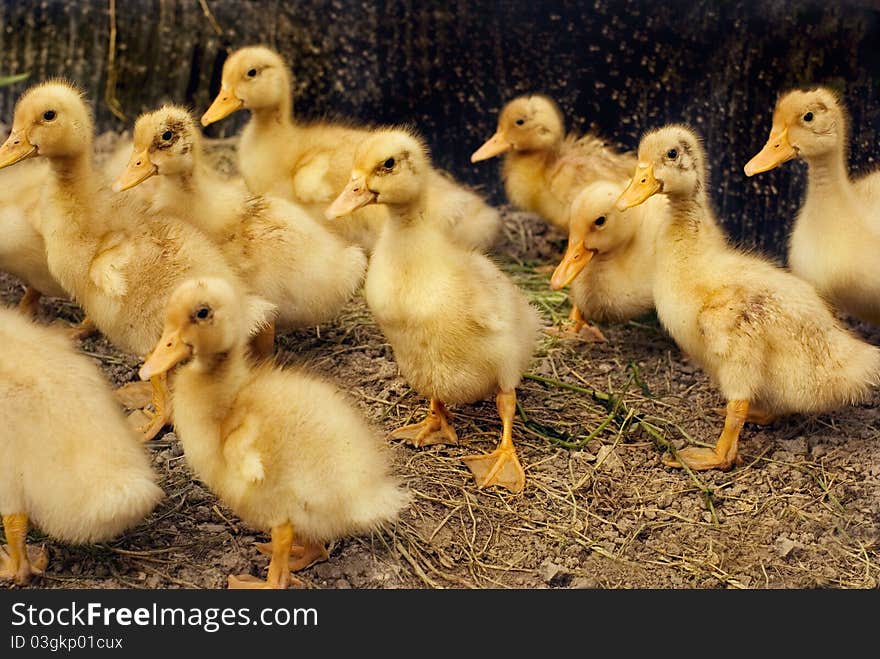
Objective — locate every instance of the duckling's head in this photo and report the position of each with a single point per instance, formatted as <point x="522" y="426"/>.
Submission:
<point x="671" y="161"/>
<point x="390" y="167"/>
<point x="166" y="142"/>
<point x="527" y="123"/>
<point x="595" y="227"/>
<point x="205" y="318"/>
<point x="809" y="123"/>
<point x="255" y="78"/>
<point x="51" y="119"/>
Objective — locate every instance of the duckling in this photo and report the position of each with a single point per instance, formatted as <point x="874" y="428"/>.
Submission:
<point x="544" y="168"/>
<point x="609" y="262"/>
<point x="72" y="465"/>
<point x="279" y="251"/>
<point x="282" y="448"/>
<point x="308" y="162"/>
<point x="765" y="336"/>
<point x="458" y="327"/>
<point x="836" y="236"/>
<point x="119" y="268"/>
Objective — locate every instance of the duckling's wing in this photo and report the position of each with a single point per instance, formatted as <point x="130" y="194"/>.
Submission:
<point x="732" y="317"/>
<point x="240" y="445"/>
<point x="113" y="259"/>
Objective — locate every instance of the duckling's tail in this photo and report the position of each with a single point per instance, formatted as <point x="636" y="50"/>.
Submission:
<point x="851" y="373"/>
<point x="101" y="494"/>
<point x="379" y="506"/>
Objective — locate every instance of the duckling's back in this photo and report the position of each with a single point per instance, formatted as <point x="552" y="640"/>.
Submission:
<point x="73" y="464"/>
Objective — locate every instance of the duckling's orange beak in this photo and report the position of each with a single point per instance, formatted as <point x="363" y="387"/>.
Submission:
<point x="355" y="195"/>
<point x="575" y="260"/>
<point x="15" y="149"/>
<point x="777" y="151"/>
<point x="225" y="104"/>
<point x="494" y="146"/>
<point x="139" y="169"/>
<point x="168" y="353"/>
<point x="642" y="186"/>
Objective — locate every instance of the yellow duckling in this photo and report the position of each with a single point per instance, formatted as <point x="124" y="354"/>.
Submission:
<point x="279" y="251"/>
<point x="836" y="237"/>
<point x="282" y="448"/>
<point x="309" y="162"/>
<point x="765" y="336"/>
<point x="544" y="169"/>
<point x="609" y="262"/>
<point x="119" y="268"/>
<point x="71" y="464"/>
<point x="459" y="328"/>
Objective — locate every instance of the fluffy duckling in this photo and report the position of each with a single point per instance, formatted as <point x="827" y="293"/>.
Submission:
<point x="544" y="168"/>
<point x="459" y="328"/>
<point x="118" y="268"/>
<point x="282" y="448"/>
<point x="765" y="336"/>
<point x="279" y="251"/>
<point x="72" y="465"/>
<point x="22" y="251"/>
<point x="309" y="162"/>
<point x="836" y="236"/>
<point x="609" y="262"/>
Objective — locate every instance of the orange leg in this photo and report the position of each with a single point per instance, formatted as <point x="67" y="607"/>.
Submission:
<point x="301" y="556"/>
<point x="30" y="301"/>
<point x="724" y="454"/>
<point x="502" y="466"/>
<point x="21" y="562"/>
<point x="279" y="565"/>
<point x="161" y="414"/>
<point x="756" y="415"/>
<point x="263" y="343"/>
<point x="436" y="428"/>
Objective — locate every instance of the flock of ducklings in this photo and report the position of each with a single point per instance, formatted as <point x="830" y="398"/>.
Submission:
<point x="194" y="272"/>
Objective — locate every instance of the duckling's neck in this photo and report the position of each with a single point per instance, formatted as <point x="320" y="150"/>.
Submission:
<point x="74" y="172"/>
<point x="201" y="198"/>
<point x="828" y="177"/>
<point x="274" y="116"/>
<point x="690" y="217"/>
<point x="408" y="215"/>
<point x="217" y="377"/>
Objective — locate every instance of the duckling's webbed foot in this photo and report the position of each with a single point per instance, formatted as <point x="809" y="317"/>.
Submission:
<point x="502" y="466"/>
<point x="578" y="328"/>
<point x="19" y="562"/>
<point x="724" y="455"/>
<point x="279" y="576"/>
<point x="301" y="556"/>
<point x="436" y="428"/>
<point x="160" y="415"/>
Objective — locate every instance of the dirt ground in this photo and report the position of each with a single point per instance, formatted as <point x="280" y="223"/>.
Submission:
<point x="600" y="510"/>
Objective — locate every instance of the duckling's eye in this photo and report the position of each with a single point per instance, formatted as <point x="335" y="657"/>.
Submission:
<point x="672" y="154"/>
<point x="388" y="164"/>
<point x="49" y="115"/>
<point x="808" y="116"/>
<point x="167" y="135"/>
<point x="252" y="73"/>
<point x="520" y="121"/>
<point x="203" y="313"/>
<point x="600" y="221"/>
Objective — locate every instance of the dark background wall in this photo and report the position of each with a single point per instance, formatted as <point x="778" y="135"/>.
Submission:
<point x="616" y="66"/>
